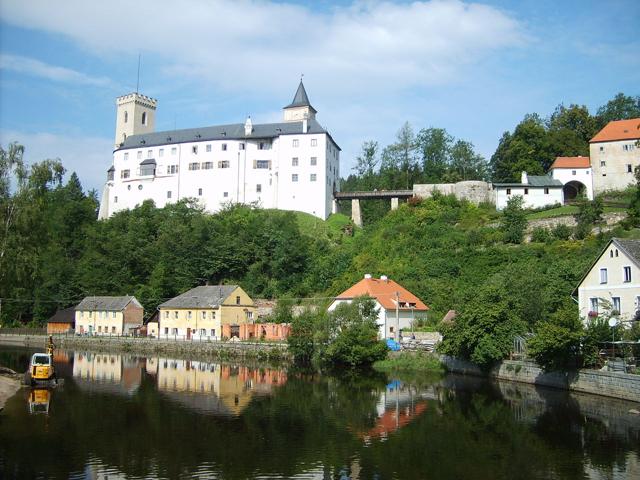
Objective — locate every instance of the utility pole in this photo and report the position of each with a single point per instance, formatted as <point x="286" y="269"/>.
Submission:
<point x="397" y="329"/>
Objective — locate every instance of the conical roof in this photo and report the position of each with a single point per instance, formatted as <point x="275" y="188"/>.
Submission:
<point x="300" y="99"/>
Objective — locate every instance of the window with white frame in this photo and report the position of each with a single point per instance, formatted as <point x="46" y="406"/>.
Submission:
<point x="175" y="314"/>
<point x="627" y="274"/>
<point x="241" y="146"/>
<point x="224" y="164"/>
<point x="166" y="314"/>
<point x="199" y="192"/>
<point x="125" y="173"/>
<point x="168" y="193"/>
<point x="204" y="315"/>
<point x="172" y="169"/>
<point x="208" y="147"/>
<point x="225" y="194"/>
<point x="161" y="152"/>
<point x="603" y="275"/>
<point x="294" y="162"/>
<point x="314" y="161"/>
<point x="262" y="164"/>
<point x="149" y="153"/>
<point x="174" y="331"/>
<point x="314" y="142"/>
<point x="189" y="313"/>
<point x="126" y="156"/>
<point x="207" y="165"/>
<point x="313" y="177"/>
<point x="294" y="177"/>
<point x="593" y="303"/>
<point x="174" y="150"/>
<point x="224" y="147"/>
<point x="194" y="149"/>
<point x="258" y="188"/>
<point x="603" y="163"/>
<point x="616" y="304"/>
<point x="139" y="154"/>
<point x="194" y="166"/>
<point x="296" y="142"/>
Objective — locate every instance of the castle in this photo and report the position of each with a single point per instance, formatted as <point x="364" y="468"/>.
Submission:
<point x="292" y="165"/>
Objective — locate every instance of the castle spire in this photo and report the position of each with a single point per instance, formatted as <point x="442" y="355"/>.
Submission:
<point x="300" y="108"/>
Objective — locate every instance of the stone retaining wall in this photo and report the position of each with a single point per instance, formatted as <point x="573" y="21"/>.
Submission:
<point x="610" y="384"/>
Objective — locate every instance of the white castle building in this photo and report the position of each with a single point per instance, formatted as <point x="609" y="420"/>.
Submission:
<point x="293" y="165"/>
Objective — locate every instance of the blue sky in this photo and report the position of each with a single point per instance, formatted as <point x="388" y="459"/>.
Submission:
<point x="474" y="68"/>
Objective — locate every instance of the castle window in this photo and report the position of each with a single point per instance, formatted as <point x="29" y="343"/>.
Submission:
<point x="224" y="147"/>
<point x="169" y="194"/>
<point x="115" y="199"/>
<point x="208" y="147"/>
<point x="263" y="164"/>
<point x="314" y="161"/>
<point x="296" y="142"/>
<point x="139" y="187"/>
<point x="629" y="168"/>
<point x="110" y="174"/>
<point x="199" y="192"/>
<point x="263" y="146"/>
<point x="294" y="177"/>
<point x="207" y="165"/>
<point x="194" y="149"/>
<point x="126" y="117"/>
<point x="126" y="156"/>
<point x="314" y="142"/>
<point x="225" y="194"/>
<point x="258" y="188"/>
<point x="508" y="191"/>
<point x="313" y="177"/>
<point x="241" y="145"/>
<point x="128" y="187"/>
<point x="161" y="152"/>
<point x="139" y="155"/>
<point x="223" y="164"/>
<point x="174" y="150"/>
<point x="573" y="172"/>
<point x="125" y="173"/>
<point x="144" y="118"/>
<point x="526" y="191"/>
<point x="149" y="153"/>
<point x="546" y="191"/>
<point x="147" y="168"/>
<point x="603" y="163"/>
<point x="194" y="166"/>
<point x="294" y="162"/>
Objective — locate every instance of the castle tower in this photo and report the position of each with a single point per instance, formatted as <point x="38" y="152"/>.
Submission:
<point x="135" y="114"/>
<point x="300" y="108"/>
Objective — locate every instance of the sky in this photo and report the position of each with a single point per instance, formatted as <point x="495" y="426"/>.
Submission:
<point x="473" y="68"/>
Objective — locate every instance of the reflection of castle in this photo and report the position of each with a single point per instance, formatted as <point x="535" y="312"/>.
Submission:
<point x="225" y="389"/>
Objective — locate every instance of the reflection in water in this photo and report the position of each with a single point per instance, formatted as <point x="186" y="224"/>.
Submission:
<point x="123" y="416"/>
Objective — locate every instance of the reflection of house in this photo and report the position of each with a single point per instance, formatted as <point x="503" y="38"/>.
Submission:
<point x="224" y="389"/>
<point x="108" y="315"/>
<point x="200" y="313"/>
<point x="576" y="176"/>
<point x="98" y="369"/>
<point x="264" y="331"/>
<point x="62" y="321"/>
<point x="536" y="191"/>
<point x="614" y="155"/>
<point x="614" y="277"/>
<point x="391" y="298"/>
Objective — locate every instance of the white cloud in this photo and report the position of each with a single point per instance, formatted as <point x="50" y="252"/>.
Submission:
<point x="236" y="44"/>
<point x="89" y="157"/>
<point x="37" y="68"/>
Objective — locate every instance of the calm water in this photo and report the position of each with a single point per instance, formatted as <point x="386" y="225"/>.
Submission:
<point x="131" y="417"/>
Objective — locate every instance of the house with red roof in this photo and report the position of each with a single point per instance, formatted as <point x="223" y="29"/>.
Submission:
<point x="397" y="307"/>
<point x="576" y="176"/>
<point x="615" y="154"/>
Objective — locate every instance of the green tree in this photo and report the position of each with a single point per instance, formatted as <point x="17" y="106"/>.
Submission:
<point x="633" y="211"/>
<point x="620" y="107"/>
<point x="434" y="147"/>
<point x="514" y="220"/>
<point x="367" y="160"/>
<point x="556" y="344"/>
<point x="589" y="214"/>
<point x="466" y="164"/>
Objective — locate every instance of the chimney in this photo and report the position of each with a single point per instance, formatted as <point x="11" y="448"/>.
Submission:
<point x="248" y="127"/>
<point x="367" y="276"/>
<point x="384" y="278"/>
<point x="524" y="179"/>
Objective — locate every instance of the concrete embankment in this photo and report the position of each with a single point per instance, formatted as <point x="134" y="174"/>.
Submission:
<point x="611" y="384"/>
<point x="149" y="346"/>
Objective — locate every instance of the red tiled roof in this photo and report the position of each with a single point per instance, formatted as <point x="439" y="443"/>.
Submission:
<point x="619" y="130"/>
<point x="571" y="162"/>
<point x="384" y="291"/>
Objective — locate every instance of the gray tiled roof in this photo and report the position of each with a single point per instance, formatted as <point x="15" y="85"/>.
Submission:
<point x="208" y="296"/>
<point x="543" y="181"/>
<point x="300" y="99"/>
<point x="630" y="247"/>
<point x="68" y="315"/>
<point x="234" y="131"/>
<point x="106" y="303"/>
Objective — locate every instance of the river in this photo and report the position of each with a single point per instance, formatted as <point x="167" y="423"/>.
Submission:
<point x="125" y="416"/>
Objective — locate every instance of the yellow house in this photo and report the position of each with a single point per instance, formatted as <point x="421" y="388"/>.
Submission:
<point x="200" y="313"/>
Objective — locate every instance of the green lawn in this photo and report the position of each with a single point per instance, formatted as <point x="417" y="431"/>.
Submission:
<point x="565" y="210"/>
<point x="332" y="227"/>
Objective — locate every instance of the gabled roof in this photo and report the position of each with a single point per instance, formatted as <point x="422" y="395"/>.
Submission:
<point x="534" y="181"/>
<point x="631" y="248"/>
<point x="106" y="303"/>
<point x="207" y="296"/>
<point x="300" y="99"/>
<point x="234" y="131"/>
<point x="571" y="162"/>
<point x="384" y="291"/>
<point x="619" y="130"/>
<point x="68" y="315"/>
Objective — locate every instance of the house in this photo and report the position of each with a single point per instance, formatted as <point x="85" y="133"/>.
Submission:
<point x="109" y="315"/>
<point x="536" y="191"/>
<point x="613" y="278"/>
<point x="62" y="321"/>
<point x="201" y="313"/>
<point x="152" y="326"/>
<point x="576" y="176"/>
<point x="391" y="299"/>
<point x="290" y="165"/>
<point x="615" y="153"/>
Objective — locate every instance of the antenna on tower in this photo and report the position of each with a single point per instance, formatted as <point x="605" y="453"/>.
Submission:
<point x="138" y="80"/>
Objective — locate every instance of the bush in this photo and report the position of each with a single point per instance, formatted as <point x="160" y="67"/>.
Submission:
<point x="556" y="344"/>
<point x="540" y="235"/>
<point x="561" y="232"/>
<point x="514" y="220"/>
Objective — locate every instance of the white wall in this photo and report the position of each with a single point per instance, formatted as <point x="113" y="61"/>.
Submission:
<point x="615" y="286"/>
<point x="534" y="198"/>
<point x="582" y="175"/>
<point x="386" y="319"/>
<point x="610" y="163"/>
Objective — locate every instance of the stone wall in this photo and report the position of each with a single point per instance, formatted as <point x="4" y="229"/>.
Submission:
<point x="472" y="190"/>
<point x="609" y="219"/>
<point x="611" y="384"/>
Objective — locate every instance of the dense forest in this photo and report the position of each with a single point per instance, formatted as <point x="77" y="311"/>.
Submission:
<point x="53" y="251"/>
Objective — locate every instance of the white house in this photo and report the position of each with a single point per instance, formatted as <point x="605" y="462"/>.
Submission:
<point x="536" y="191"/>
<point x="108" y="315"/>
<point x="615" y="278"/>
<point x="575" y="174"/>
<point x="292" y="165"/>
<point x="615" y="154"/>
<point x="391" y="299"/>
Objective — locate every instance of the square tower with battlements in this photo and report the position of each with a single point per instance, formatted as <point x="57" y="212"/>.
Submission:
<point x="135" y="115"/>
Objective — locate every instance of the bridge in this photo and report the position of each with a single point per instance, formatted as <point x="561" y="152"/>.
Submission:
<point x="355" y="197"/>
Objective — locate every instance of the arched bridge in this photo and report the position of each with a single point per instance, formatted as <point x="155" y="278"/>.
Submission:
<point x="355" y="197"/>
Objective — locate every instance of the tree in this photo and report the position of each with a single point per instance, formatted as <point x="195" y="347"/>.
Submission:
<point x="514" y="220"/>
<point x="588" y="215"/>
<point x="620" y="107"/>
<point x="399" y="158"/>
<point x="466" y="164"/>
<point x="633" y="218"/>
<point x="367" y="160"/>
<point x="434" y="146"/>
<point x="556" y="344"/>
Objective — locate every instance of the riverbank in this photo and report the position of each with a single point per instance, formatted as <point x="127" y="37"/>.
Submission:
<point x="9" y="386"/>
<point x="262" y="351"/>
<point x="609" y="384"/>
